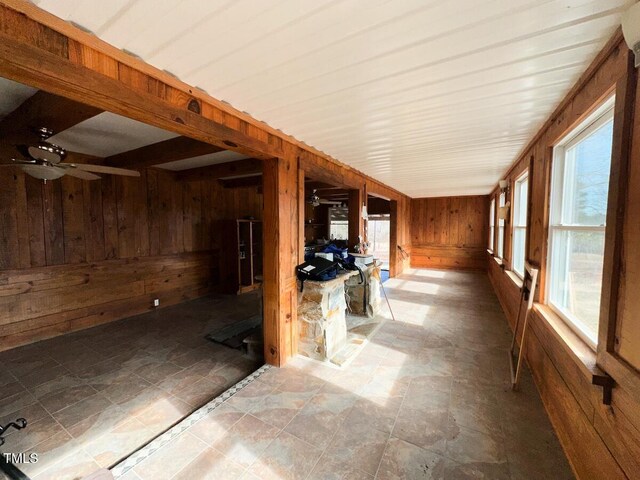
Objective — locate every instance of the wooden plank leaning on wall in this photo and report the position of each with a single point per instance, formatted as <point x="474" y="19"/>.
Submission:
<point x="601" y="441"/>
<point x="40" y="50"/>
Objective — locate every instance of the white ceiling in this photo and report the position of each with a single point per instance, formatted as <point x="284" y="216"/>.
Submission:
<point x="108" y="134"/>
<point x="12" y="94"/>
<point x="431" y="97"/>
<point x="202" y="160"/>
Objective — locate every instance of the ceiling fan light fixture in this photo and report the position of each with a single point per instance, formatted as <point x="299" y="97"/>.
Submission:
<point x="43" y="172"/>
<point x="44" y="161"/>
<point x="314" y="199"/>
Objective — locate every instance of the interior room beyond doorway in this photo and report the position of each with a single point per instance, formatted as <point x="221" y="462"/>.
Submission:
<point x="379" y="230"/>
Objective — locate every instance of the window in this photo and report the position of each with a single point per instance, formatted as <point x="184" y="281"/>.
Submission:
<point x="501" y="229"/>
<point x="579" y="190"/>
<point x="519" y="223"/>
<point x="492" y="223"/>
<point x="338" y="223"/>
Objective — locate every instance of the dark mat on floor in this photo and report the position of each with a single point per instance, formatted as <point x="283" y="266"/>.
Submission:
<point x="233" y="335"/>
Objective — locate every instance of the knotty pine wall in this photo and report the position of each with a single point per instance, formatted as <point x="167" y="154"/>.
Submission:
<point x="449" y="232"/>
<point x="74" y="253"/>
<point x="601" y="441"/>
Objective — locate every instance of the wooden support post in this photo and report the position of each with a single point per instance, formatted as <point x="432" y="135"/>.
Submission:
<point x="394" y="253"/>
<point x="280" y="222"/>
<point x="356" y="223"/>
<point x="365" y="223"/>
<point x="301" y="207"/>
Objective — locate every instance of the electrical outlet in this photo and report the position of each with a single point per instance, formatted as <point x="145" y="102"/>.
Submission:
<point x="156" y="302"/>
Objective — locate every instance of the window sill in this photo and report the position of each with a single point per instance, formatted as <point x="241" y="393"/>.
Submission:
<point x="576" y="348"/>
<point x="501" y="263"/>
<point x="515" y="278"/>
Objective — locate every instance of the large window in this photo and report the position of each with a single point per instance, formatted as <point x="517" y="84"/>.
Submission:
<point x="492" y="223"/>
<point x="519" y="223"/>
<point x="501" y="228"/>
<point x="579" y="190"/>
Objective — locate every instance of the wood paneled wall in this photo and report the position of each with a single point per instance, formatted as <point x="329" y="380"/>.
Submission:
<point x="75" y="253"/>
<point x="601" y="441"/>
<point x="449" y="232"/>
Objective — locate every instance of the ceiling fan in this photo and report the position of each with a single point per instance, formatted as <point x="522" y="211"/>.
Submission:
<point x="315" y="200"/>
<point x="44" y="160"/>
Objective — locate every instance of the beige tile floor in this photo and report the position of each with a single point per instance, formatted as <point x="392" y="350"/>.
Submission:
<point x="95" y="396"/>
<point x="427" y="398"/>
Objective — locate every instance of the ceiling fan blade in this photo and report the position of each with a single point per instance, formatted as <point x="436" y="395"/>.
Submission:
<point x="16" y="163"/>
<point x="101" y="169"/>
<point x="73" y="172"/>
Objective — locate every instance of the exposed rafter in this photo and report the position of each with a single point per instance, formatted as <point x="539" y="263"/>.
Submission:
<point x="229" y="169"/>
<point x="178" y="148"/>
<point x="252" y="181"/>
<point x="332" y="191"/>
<point x="315" y="185"/>
<point x="45" y="109"/>
<point x="42" y="109"/>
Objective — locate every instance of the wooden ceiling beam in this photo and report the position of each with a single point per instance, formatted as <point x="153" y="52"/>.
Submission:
<point x="332" y="191"/>
<point x="336" y="199"/>
<point x="45" y="109"/>
<point x="329" y="194"/>
<point x="229" y="169"/>
<point x="177" y="148"/>
<point x="42" y="109"/>
<point x="253" y="181"/>
<point x="313" y="184"/>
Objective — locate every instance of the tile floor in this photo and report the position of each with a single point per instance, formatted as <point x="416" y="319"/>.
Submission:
<point x="427" y="398"/>
<point x="93" y="397"/>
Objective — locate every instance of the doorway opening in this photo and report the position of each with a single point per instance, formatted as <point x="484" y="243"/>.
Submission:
<point x="145" y="230"/>
<point x="379" y="231"/>
<point x="326" y="216"/>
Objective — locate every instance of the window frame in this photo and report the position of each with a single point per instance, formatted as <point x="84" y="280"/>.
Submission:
<point x="517" y="187"/>
<point x="502" y="202"/>
<point x="598" y="118"/>
<point x="492" y="223"/>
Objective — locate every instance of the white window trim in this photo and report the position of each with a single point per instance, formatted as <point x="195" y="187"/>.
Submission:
<point x="502" y="201"/>
<point x="525" y="227"/>
<point x="599" y="117"/>
<point x="492" y="224"/>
